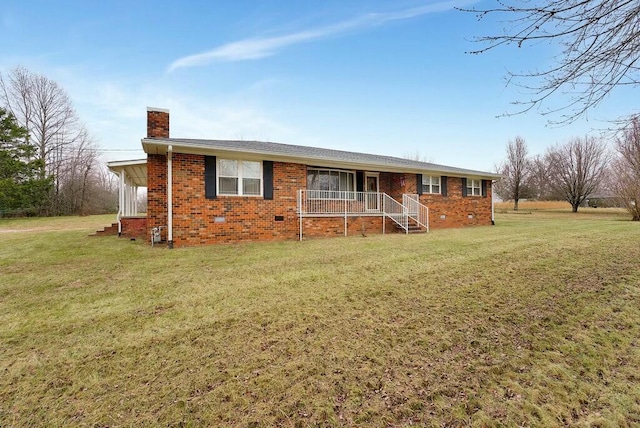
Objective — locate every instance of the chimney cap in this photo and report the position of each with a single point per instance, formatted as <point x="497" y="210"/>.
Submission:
<point x="161" y="110"/>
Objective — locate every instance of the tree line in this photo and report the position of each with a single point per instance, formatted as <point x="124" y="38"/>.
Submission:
<point x="598" y="51"/>
<point x="576" y="170"/>
<point x="49" y="162"/>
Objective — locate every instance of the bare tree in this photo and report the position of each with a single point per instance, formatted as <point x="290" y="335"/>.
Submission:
<point x="103" y="191"/>
<point x="75" y="176"/>
<point x="515" y="172"/>
<point x="626" y="168"/>
<point x="63" y="143"/>
<point x="539" y="178"/>
<point x="601" y="48"/>
<point x="577" y="168"/>
<point x="417" y="156"/>
<point x="45" y="109"/>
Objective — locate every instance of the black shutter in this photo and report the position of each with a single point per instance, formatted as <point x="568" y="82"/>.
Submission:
<point x="267" y="177"/>
<point x="443" y="185"/>
<point x="359" y="181"/>
<point x="419" y="184"/>
<point x="484" y="188"/>
<point x="210" y="177"/>
<point x="464" y="187"/>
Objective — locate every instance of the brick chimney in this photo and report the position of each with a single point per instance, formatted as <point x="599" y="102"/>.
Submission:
<point x="157" y="122"/>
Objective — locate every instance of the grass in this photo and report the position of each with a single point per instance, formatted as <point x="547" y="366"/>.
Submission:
<point x="532" y="322"/>
<point x="527" y="205"/>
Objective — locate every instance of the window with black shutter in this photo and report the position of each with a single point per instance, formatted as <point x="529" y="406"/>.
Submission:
<point x="267" y="176"/>
<point x="210" y="177"/>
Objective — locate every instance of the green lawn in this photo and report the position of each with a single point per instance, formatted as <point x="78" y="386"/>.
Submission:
<point x="532" y="322"/>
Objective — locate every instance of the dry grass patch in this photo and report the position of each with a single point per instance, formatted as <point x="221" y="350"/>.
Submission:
<point x="533" y="322"/>
<point x="552" y="208"/>
<point x="534" y="205"/>
<point x="46" y="224"/>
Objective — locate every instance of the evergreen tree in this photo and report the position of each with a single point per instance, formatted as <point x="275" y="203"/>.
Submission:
<point x="22" y="190"/>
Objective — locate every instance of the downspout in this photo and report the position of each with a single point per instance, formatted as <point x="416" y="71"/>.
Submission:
<point x="120" y="202"/>
<point x="493" y="222"/>
<point x="169" y="198"/>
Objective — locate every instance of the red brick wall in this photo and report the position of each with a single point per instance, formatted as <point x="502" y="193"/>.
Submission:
<point x="157" y="124"/>
<point x="156" y="192"/>
<point x="396" y="184"/>
<point x="457" y="209"/>
<point x="134" y="226"/>
<point x="315" y="227"/>
<point x="245" y="218"/>
<point x="253" y="218"/>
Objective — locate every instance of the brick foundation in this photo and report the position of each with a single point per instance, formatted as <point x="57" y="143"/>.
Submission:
<point x="134" y="227"/>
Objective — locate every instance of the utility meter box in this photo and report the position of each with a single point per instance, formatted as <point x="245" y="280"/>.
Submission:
<point x="156" y="236"/>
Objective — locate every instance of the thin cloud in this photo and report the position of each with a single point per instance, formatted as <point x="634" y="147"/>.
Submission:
<point x="257" y="48"/>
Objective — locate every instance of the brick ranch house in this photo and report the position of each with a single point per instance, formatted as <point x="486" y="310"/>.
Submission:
<point x="214" y="191"/>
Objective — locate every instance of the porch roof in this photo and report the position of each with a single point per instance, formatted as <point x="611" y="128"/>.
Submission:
<point x="315" y="156"/>
<point x="135" y="170"/>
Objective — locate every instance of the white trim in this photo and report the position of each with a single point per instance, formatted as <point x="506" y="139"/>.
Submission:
<point x="375" y="175"/>
<point x="430" y="185"/>
<point x="157" y="146"/>
<point x="239" y="178"/>
<point x="126" y="163"/>
<point x="159" y="110"/>
<point x="170" y="197"/>
<point x="471" y="186"/>
<point x="330" y="170"/>
<point x="136" y="170"/>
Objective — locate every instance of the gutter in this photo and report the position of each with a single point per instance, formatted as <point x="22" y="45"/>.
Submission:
<point x="170" y="198"/>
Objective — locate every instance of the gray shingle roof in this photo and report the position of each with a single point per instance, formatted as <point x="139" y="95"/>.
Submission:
<point x="316" y="153"/>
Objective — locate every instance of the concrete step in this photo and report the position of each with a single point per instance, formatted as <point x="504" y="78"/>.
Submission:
<point x="413" y="228"/>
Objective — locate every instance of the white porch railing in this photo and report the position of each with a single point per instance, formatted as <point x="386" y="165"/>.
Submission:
<point x="416" y="211"/>
<point x="328" y="203"/>
<point x="396" y="212"/>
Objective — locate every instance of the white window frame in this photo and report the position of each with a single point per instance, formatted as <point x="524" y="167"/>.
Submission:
<point x="474" y="185"/>
<point x="427" y="187"/>
<point x="240" y="177"/>
<point x="346" y="194"/>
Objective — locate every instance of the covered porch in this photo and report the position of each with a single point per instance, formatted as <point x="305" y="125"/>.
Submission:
<point x="132" y="175"/>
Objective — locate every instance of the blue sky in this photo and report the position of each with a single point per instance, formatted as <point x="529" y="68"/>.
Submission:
<point x="384" y="77"/>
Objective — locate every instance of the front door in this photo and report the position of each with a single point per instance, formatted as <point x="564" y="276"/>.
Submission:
<point x="373" y="198"/>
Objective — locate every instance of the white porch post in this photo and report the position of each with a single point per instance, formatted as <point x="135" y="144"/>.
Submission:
<point x="121" y="201"/>
<point x="345" y="216"/>
<point x="300" y="210"/>
<point x="131" y="199"/>
<point x="135" y="200"/>
<point x="384" y="215"/>
<point x="127" y="199"/>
